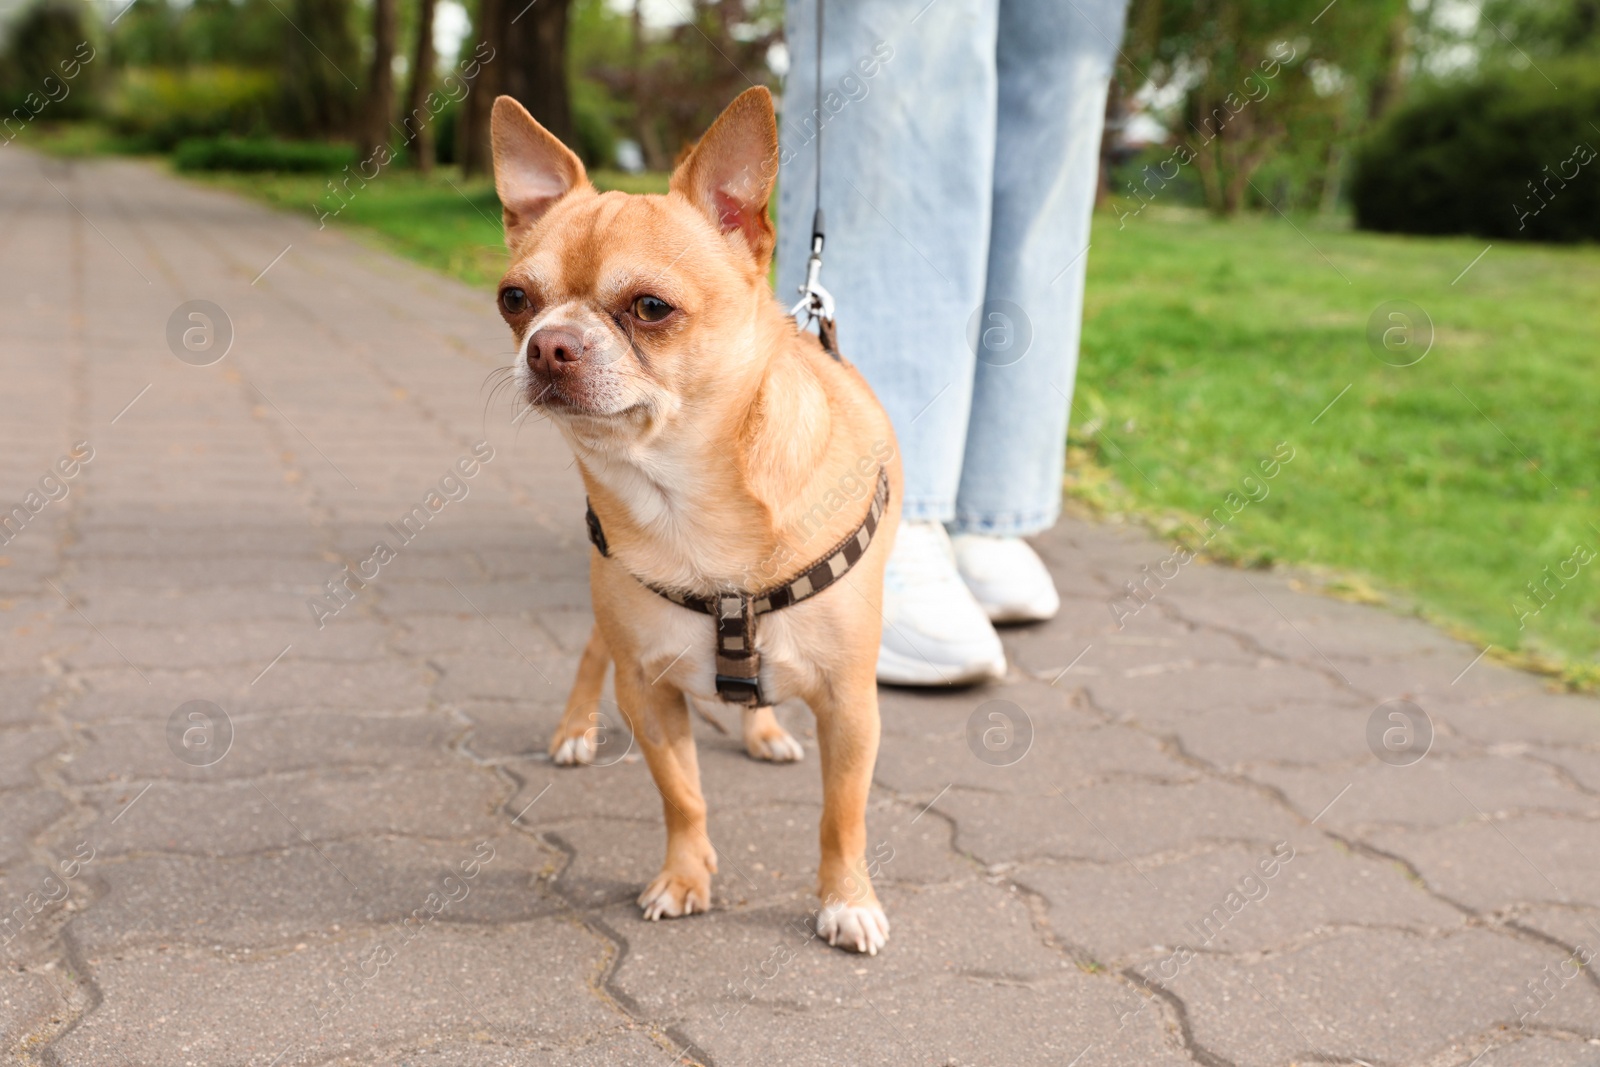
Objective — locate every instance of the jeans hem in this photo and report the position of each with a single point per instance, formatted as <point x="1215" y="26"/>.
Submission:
<point x="1004" y="523"/>
<point x="927" y="510"/>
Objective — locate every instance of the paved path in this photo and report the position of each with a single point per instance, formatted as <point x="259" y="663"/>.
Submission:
<point x="1199" y="859"/>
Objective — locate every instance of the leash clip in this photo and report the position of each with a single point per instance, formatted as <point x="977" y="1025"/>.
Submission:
<point x="815" y="301"/>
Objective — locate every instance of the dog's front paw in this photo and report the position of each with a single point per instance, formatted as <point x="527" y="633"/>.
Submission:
<point x="573" y="750"/>
<point x="861" y="927"/>
<point x="673" y="894"/>
<point x="765" y="739"/>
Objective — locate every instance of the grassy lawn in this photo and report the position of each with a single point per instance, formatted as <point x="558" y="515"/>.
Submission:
<point x="1449" y="484"/>
<point x="1444" y="487"/>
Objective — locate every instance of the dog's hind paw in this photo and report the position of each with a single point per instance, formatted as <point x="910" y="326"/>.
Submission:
<point x="573" y="751"/>
<point x="672" y="895"/>
<point x="764" y="739"/>
<point x="860" y="927"/>
<point x="775" y="748"/>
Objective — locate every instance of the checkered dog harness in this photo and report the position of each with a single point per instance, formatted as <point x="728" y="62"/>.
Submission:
<point x="738" y="662"/>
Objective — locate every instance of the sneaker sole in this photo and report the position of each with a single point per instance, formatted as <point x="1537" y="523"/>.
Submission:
<point x="896" y="669"/>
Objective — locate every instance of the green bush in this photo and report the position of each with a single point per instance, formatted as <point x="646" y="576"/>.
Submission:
<point x="262" y="154"/>
<point x="1508" y="156"/>
<point x="48" y="67"/>
<point x="163" y="106"/>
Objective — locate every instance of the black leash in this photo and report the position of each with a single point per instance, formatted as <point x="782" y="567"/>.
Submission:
<point x="815" y="301"/>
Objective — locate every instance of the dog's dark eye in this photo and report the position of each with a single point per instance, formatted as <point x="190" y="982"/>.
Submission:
<point x="515" y="301"/>
<point x="651" y="309"/>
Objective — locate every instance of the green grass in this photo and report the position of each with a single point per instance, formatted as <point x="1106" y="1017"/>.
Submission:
<point x="1448" y="485"/>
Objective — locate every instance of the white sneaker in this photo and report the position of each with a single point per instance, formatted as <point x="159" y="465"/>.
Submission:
<point x="934" y="632"/>
<point x="1007" y="577"/>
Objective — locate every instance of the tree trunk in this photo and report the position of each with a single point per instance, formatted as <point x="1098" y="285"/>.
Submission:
<point x="535" y="71"/>
<point x="472" y="147"/>
<point x="375" y="132"/>
<point x="419" y="119"/>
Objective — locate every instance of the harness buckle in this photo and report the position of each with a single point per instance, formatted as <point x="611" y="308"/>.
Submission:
<point x="735" y="690"/>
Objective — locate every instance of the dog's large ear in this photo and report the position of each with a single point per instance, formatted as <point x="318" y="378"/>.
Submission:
<point x="729" y="174"/>
<point x="532" y="168"/>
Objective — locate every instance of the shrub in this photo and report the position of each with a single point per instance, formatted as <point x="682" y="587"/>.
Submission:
<point x="48" y="67"/>
<point x="262" y="154"/>
<point x="163" y="106"/>
<point x="1507" y="156"/>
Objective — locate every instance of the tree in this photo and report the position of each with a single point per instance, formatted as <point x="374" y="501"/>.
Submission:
<point x="679" y="82"/>
<point x="320" y="49"/>
<point x="1251" y="71"/>
<point x="378" y="111"/>
<point x="418" y="121"/>
<point x="483" y="86"/>
<point x="535" y="62"/>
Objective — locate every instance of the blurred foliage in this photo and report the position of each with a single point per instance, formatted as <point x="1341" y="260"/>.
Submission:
<point x="1248" y="74"/>
<point x="671" y="84"/>
<point x="1508" y="156"/>
<point x="1541" y="28"/>
<point x="262" y="154"/>
<point x="160" y="106"/>
<point x="50" y="63"/>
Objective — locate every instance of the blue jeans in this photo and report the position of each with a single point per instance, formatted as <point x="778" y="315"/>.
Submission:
<point x="960" y="144"/>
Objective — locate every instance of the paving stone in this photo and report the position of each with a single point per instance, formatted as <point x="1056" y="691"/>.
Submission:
<point x="1237" y="739"/>
<point x="1109" y="821"/>
<point x="727" y="962"/>
<point x="507" y="673"/>
<point x="234" y="818"/>
<point x="267" y="900"/>
<point x="1541" y="1051"/>
<point x="1054" y="1021"/>
<point x="1370" y="995"/>
<point x="30" y="1011"/>
<point x="488" y="1051"/>
<point x="446" y="982"/>
<point x="260" y="744"/>
<point x="1437" y="790"/>
<point x="1199" y="687"/>
<point x="20" y="749"/>
<point x="1053" y="759"/>
<point x="1582" y="765"/>
<point x="209" y="645"/>
<point x="1493" y="864"/>
<point x="27" y="812"/>
<point x="1228" y="899"/>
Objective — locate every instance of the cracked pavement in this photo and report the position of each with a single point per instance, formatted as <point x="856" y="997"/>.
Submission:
<point x="1178" y="847"/>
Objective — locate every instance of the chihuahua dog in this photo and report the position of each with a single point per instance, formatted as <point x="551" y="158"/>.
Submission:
<point x="724" y="452"/>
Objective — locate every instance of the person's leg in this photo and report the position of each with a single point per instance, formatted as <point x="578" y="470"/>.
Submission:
<point x="908" y="157"/>
<point x="1055" y="59"/>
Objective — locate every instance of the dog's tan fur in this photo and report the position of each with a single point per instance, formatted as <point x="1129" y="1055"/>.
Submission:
<point x="722" y="449"/>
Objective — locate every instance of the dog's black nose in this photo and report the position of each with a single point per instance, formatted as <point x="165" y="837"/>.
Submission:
<point x="553" y="346"/>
